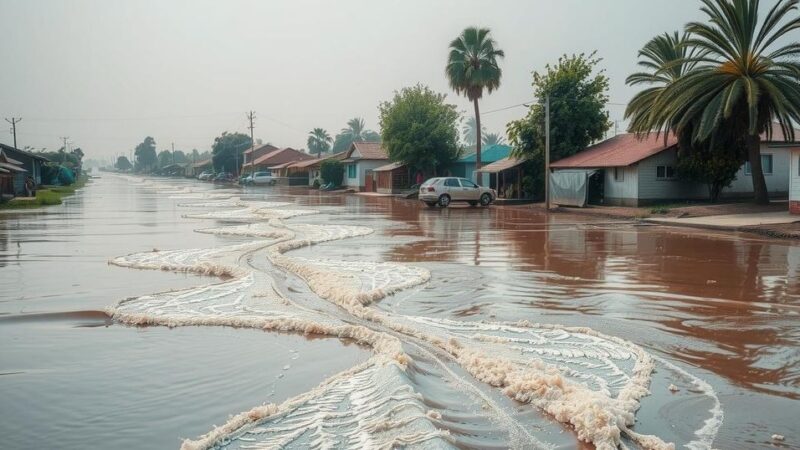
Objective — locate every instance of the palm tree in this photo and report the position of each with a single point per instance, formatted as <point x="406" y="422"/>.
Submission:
<point x="471" y="68"/>
<point x="741" y="84"/>
<point x="665" y="59"/>
<point x="319" y="141"/>
<point x="355" y="129"/>
<point x="470" y="131"/>
<point x="493" y="139"/>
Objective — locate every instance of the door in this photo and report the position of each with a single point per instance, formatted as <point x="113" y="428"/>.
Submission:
<point x="469" y="190"/>
<point x="453" y="188"/>
<point x="368" y="182"/>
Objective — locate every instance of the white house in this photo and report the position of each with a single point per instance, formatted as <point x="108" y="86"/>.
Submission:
<point x="359" y="163"/>
<point x="629" y="171"/>
<point x="794" y="181"/>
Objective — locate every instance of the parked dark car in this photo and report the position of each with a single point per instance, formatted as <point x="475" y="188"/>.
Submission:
<point x="224" y="177"/>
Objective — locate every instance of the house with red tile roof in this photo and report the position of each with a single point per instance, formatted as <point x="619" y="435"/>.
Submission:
<point x="280" y="157"/>
<point x="311" y="167"/>
<point x="255" y="152"/>
<point x="630" y="170"/>
<point x="361" y="160"/>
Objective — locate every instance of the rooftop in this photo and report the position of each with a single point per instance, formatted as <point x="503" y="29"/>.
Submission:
<point x="619" y="151"/>
<point x="489" y="154"/>
<point x="367" y="150"/>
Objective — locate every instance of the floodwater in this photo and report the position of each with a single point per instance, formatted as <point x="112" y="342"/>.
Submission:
<point x="282" y="317"/>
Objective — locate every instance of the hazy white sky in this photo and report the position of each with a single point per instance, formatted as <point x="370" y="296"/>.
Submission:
<point x="108" y="73"/>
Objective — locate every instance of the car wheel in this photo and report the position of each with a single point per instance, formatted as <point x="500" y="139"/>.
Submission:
<point x="431" y="204"/>
<point x="486" y="199"/>
<point x="444" y="201"/>
<point x="473" y="203"/>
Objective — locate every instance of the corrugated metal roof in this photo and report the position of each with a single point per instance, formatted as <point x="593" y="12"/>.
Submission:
<point x="619" y="151"/>
<point x="489" y="154"/>
<point x="389" y="167"/>
<point x="503" y="164"/>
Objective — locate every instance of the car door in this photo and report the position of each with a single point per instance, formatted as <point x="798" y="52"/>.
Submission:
<point x="453" y="188"/>
<point x="469" y="190"/>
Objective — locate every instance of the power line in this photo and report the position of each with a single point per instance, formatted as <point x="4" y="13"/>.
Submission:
<point x="530" y="102"/>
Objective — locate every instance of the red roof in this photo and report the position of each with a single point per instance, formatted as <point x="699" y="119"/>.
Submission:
<point x="367" y="150"/>
<point x="619" y="151"/>
<point x="317" y="161"/>
<point x="282" y="156"/>
<point x="261" y="149"/>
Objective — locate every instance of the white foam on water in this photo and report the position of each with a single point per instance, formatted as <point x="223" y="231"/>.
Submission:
<point x="581" y="377"/>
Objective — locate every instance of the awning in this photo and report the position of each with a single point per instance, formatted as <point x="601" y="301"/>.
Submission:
<point x="389" y="167"/>
<point x="501" y="165"/>
<point x="570" y="187"/>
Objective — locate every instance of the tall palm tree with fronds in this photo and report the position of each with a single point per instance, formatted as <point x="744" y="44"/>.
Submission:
<point x="470" y="131"/>
<point x="355" y="129"/>
<point x="493" y="139"/>
<point x="319" y="141"/>
<point x="742" y="82"/>
<point x="472" y="68"/>
<point x="665" y="59"/>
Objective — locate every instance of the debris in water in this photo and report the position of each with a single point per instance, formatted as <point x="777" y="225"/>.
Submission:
<point x="778" y="437"/>
<point x="673" y="388"/>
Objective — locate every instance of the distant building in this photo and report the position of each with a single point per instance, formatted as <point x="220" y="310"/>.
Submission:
<point x="199" y="167"/>
<point x="12" y="176"/>
<point x="392" y="178"/>
<point x="278" y="159"/>
<point x="464" y="167"/>
<point x="361" y="160"/>
<point x="256" y="152"/>
<point x="30" y="162"/>
<point x="311" y="167"/>
<point x="630" y="171"/>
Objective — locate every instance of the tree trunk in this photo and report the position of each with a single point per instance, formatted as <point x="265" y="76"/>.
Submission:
<point x="477" y="135"/>
<point x="760" y="194"/>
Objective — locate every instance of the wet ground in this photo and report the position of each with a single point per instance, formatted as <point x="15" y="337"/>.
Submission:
<point x="716" y="312"/>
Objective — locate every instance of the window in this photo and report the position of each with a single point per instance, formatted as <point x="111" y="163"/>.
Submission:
<point x="619" y="174"/>
<point x="468" y="184"/>
<point x="766" y="165"/>
<point x="351" y="171"/>
<point x="665" y="172"/>
<point x="451" y="182"/>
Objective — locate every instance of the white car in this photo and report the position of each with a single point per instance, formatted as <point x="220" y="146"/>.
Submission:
<point x="260" y="178"/>
<point x="443" y="191"/>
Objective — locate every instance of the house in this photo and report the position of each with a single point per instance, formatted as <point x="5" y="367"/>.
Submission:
<point x="199" y="167"/>
<point x="628" y="170"/>
<point x="464" y="167"/>
<point x="392" y="178"/>
<point x="361" y="160"/>
<point x="255" y="152"/>
<point x="12" y="176"/>
<point x="279" y="158"/>
<point x="311" y="167"/>
<point x="505" y="177"/>
<point x="794" y="180"/>
<point x="28" y="161"/>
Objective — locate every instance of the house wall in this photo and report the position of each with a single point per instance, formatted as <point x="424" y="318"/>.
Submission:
<point x="794" y="181"/>
<point x="651" y="188"/>
<point x="361" y="169"/>
<point x="777" y="182"/>
<point x="625" y="192"/>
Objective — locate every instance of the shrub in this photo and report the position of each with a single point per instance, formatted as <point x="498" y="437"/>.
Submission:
<point x="332" y="171"/>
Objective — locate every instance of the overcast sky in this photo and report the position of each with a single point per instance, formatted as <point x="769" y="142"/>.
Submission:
<point x="108" y="73"/>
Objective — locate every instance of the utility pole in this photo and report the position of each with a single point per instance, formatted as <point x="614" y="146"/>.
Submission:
<point x="14" y="121"/>
<point x="547" y="153"/>
<point x="252" y="116"/>
<point x="173" y="153"/>
<point x="64" y="158"/>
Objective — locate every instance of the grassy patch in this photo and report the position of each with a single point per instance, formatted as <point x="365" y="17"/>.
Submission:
<point x="46" y="196"/>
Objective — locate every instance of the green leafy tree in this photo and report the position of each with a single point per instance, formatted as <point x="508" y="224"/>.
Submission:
<point x="180" y="157"/>
<point x="319" y="141"/>
<point x="578" y="94"/>
<point x="227" y="153"/>
<point x="472" y="68"/>
<point x="354" y="132"/>
<point x="164" y="158"/>
<point x="420" y="129"/>
<point x="712" y="166"/>
<point x="745" y="78"/>
<point x="332" y="171"/>
<point x="123" y="164"/>
<point x="145" y="158"/>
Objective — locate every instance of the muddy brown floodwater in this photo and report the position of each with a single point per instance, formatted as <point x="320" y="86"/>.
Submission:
<point x="464" y="327"/>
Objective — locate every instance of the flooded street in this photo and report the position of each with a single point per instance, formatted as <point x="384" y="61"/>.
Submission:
<point x="286" y="317"/>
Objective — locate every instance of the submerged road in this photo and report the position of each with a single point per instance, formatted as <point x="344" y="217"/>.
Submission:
<point x="476" y="328"/>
